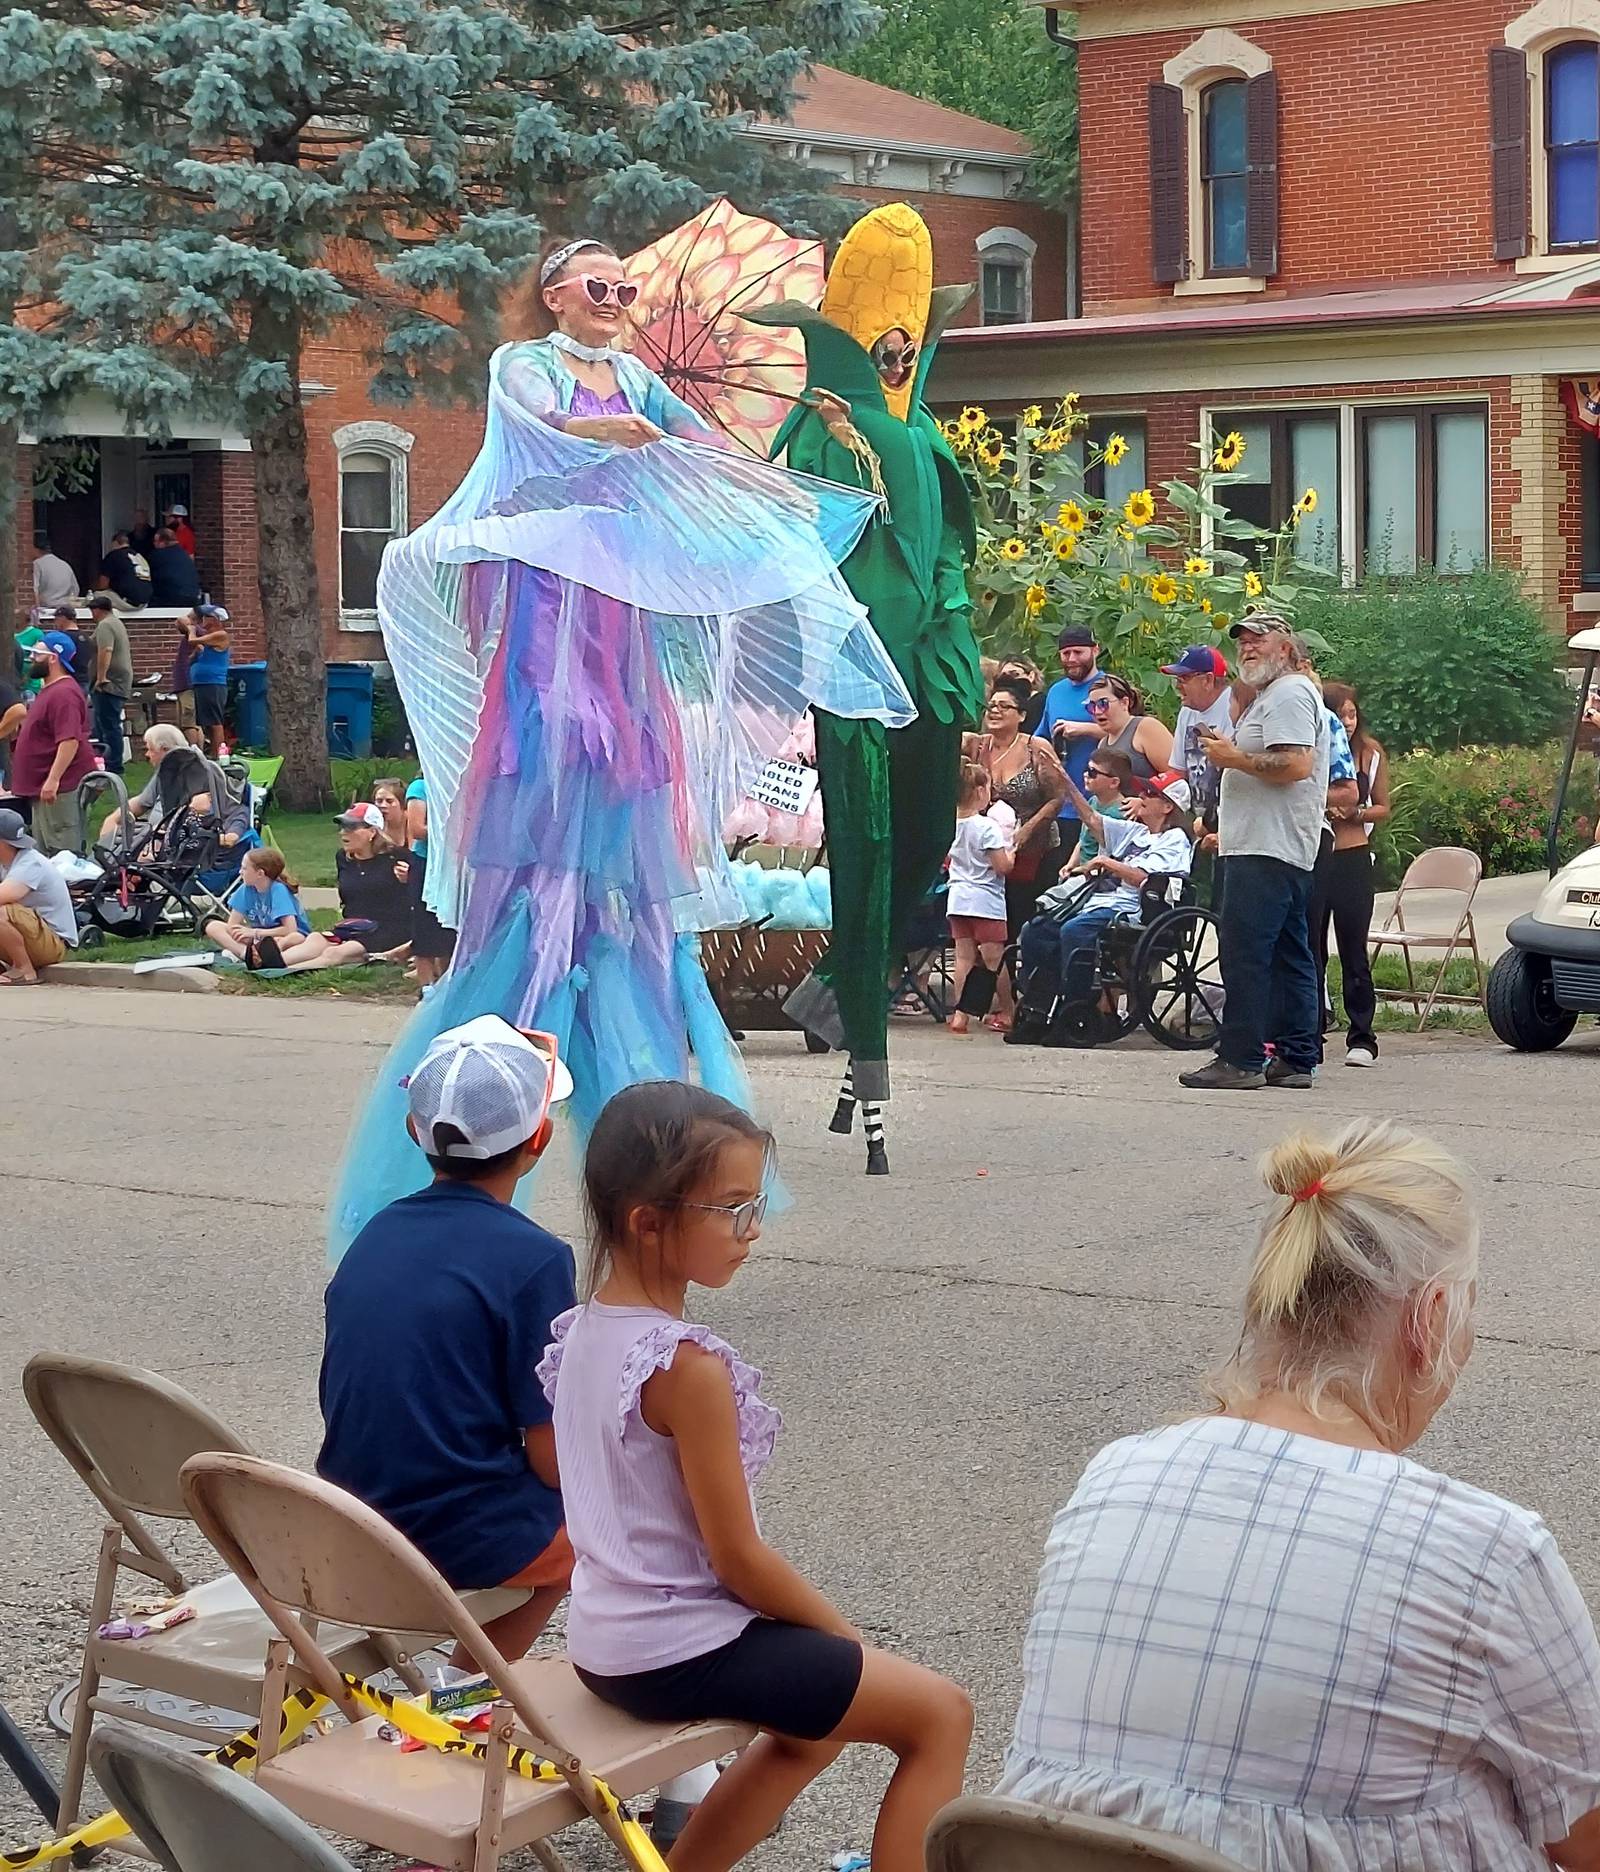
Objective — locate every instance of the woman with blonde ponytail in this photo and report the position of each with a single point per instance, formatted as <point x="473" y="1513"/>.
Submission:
<point x="1267" y="1629"/>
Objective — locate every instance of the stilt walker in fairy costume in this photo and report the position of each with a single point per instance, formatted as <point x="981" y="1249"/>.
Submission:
<point x="889" y="795"/>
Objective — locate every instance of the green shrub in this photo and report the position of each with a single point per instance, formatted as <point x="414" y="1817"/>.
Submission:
<point x="1444" y="662"/>
<point x="1494" y="801"/>
<point x="391" y="732"/>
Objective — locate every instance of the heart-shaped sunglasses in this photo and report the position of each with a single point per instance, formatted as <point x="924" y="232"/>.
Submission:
<point x="601" y="292"/>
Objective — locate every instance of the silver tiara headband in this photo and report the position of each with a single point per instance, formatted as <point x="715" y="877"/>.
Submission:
<point x="560" y="257"/>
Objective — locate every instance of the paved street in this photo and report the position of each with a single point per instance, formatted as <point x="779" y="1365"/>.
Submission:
<point x="1055" y="1261"/>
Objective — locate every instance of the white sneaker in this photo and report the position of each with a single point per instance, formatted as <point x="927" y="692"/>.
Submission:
<point x="1360" y="1056"/>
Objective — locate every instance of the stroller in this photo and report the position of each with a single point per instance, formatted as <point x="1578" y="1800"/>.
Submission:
<point x="148" y="881"/>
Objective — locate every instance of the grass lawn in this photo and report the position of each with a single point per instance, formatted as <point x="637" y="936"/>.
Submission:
<point x="377" y="981"/>
<point x="1389" y="971"/>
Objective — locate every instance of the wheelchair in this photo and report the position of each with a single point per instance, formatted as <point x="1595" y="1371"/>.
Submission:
<point x="1162" y="973"/>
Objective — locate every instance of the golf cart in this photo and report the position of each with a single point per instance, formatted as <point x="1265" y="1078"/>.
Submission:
<point x="1551" y="973"/>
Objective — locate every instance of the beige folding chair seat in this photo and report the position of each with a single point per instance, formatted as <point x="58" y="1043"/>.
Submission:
<point x="427" y="1805"/>
<point x="309" y="1551"/>
<point x="127" y="1433"/>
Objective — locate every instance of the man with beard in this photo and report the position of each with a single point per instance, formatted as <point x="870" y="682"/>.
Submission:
<point x="1274" y="795"/>
<point x="1072" y="731"/>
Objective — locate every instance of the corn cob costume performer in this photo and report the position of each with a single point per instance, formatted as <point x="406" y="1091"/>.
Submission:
<point x="598" y="647"/>
<point x="888" y="793"/>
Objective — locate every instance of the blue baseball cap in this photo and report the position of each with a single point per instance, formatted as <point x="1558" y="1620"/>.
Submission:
<point x="1197" y="660"/>
<point x="56" y="644"/>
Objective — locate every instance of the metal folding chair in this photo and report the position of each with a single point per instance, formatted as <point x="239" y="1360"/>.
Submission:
<point x="1446" y="869"/>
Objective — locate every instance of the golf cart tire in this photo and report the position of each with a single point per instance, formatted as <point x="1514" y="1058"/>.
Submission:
<point x="1521" y="1004"/>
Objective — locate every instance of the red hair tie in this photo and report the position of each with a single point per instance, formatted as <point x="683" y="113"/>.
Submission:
<point x="1310" y="1190"/>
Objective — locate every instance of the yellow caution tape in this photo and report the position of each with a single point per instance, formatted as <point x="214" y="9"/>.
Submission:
<point x="300" y="1710"/>
<point x="239" y="1752"/>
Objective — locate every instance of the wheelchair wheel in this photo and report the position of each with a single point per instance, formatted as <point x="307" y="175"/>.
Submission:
<point x="1178" y="974"/>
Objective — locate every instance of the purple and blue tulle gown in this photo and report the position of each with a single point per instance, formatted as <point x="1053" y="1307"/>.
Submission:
<point x="598" y="648"/>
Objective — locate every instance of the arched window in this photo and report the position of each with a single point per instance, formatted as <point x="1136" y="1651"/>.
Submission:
<point x="1005" y="275"/>
<point x="1224" y="180"/>
<point x="1572" y="144"/>
<point x="373" y="500"/>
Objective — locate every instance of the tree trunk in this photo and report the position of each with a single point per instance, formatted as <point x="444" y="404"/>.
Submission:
<point x="297" y="681"/>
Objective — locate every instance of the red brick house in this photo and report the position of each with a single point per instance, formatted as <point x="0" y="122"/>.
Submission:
<point x="1366" y="234"/>
<point x="377" y="471"/>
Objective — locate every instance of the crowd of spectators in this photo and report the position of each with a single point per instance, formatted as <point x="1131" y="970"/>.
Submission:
<point x="1264" y="782"/>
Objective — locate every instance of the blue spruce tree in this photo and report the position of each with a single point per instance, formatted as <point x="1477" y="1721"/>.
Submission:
<point x="193" y="192"/>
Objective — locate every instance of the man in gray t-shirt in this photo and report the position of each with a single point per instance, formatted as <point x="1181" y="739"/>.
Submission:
<point x="37" y="924"/>
<point x="1274" y="795"/>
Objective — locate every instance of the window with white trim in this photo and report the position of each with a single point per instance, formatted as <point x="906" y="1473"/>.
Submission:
<point x="373" y="504"/>
<point x="1005" y="275"/>
<point x="1544" y="109"/>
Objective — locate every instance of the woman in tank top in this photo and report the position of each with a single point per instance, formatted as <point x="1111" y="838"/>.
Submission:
<point x="1119" y="709"/>
<point x="1025" y="773"/>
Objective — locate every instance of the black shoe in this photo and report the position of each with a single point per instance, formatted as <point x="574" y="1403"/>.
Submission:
<point x="1028" y="1028"/>
<point x="1219" y="1076"/>
<point x="1281" y="1073"/>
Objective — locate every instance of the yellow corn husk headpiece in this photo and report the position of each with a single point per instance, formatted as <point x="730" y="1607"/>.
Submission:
<point x="881" y="278"/>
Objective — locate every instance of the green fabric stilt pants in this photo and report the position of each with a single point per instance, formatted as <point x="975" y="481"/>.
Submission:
<point x="889" y="802"/>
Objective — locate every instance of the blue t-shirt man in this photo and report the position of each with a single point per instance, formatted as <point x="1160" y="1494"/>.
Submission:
<point x="1068" y="701"/>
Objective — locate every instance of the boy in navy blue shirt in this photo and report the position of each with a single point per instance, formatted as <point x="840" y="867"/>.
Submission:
<point x="436" y="1319"/>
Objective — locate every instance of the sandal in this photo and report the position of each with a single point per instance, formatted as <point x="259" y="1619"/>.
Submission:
<point x="9" y="980"/>
<point x="997" y="1023"/>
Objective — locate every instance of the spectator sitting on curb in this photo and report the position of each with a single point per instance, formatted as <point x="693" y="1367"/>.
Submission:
<point x="374" y="903"/>
<point x="265" y="905"/>
<point x="37" y="926"/>
<point x="53" y="752"/>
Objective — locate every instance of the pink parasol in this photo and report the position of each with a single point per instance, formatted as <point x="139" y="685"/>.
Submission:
<point x="693" y="285"/>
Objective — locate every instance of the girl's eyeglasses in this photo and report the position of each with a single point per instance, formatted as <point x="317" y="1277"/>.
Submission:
<point x="601" y="291"/>
<point x="745" y="1216"/>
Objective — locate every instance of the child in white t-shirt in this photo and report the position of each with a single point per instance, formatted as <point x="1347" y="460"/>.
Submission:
<point x="980" y="857"/>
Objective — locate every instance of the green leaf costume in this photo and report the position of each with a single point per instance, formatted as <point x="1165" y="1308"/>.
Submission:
<point x="889" y="795"/>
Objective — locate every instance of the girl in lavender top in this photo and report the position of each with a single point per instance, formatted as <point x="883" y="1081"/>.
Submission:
<point x="680" y="1611"/>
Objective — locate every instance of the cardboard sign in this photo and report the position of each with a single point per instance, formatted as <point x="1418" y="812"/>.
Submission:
<point x="784" y="786"/>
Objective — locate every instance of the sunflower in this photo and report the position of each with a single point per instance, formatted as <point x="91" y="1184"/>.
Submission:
<point x="1033" y="415"/>
<point x="992" y="438"/>
<point x="1125" y="534"/>
<point x="1253" y="588"/>
<point x="973" y="418"/>
<point x="1307" y="503"/>
<point x="1036" y="598"/>
<point x="1196" y="567"/>
<point x="1066" y="546"/>
<point x="1013" y="549"/>
<point x="1125" y="582"/>
<point x="1053" y="440"/>
<point x="1205" y="606"/>
<point x="992" y="456"/>
<point x="1163" y="588"/>
<point x="1072" y="517"/>
<point x="1116" y="450"/>
<point x="1140" y="508"/>
<point x="1230" y="452"/>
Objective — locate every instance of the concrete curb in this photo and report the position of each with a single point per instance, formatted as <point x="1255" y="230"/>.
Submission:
<point x="122" y="975"/>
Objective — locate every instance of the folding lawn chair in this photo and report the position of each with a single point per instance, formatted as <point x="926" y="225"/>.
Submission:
<point x="1449" y="870"/>
<point x="984" y="1833"/>
<point x="127" y="1433"/>
<point x="195" y="1815"/>
<point x="306" y="1549"/>
<point x="262" y="772"/>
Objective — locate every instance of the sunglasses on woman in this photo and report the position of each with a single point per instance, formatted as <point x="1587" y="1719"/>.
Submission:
<point x="745" y="1216"/>
<point x="601" y="292"/>
<point x="1097" y="705"/>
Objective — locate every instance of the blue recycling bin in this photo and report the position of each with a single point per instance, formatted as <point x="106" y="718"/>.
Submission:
<point x="248" y="682"/>
<point x="350" y="710"/>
